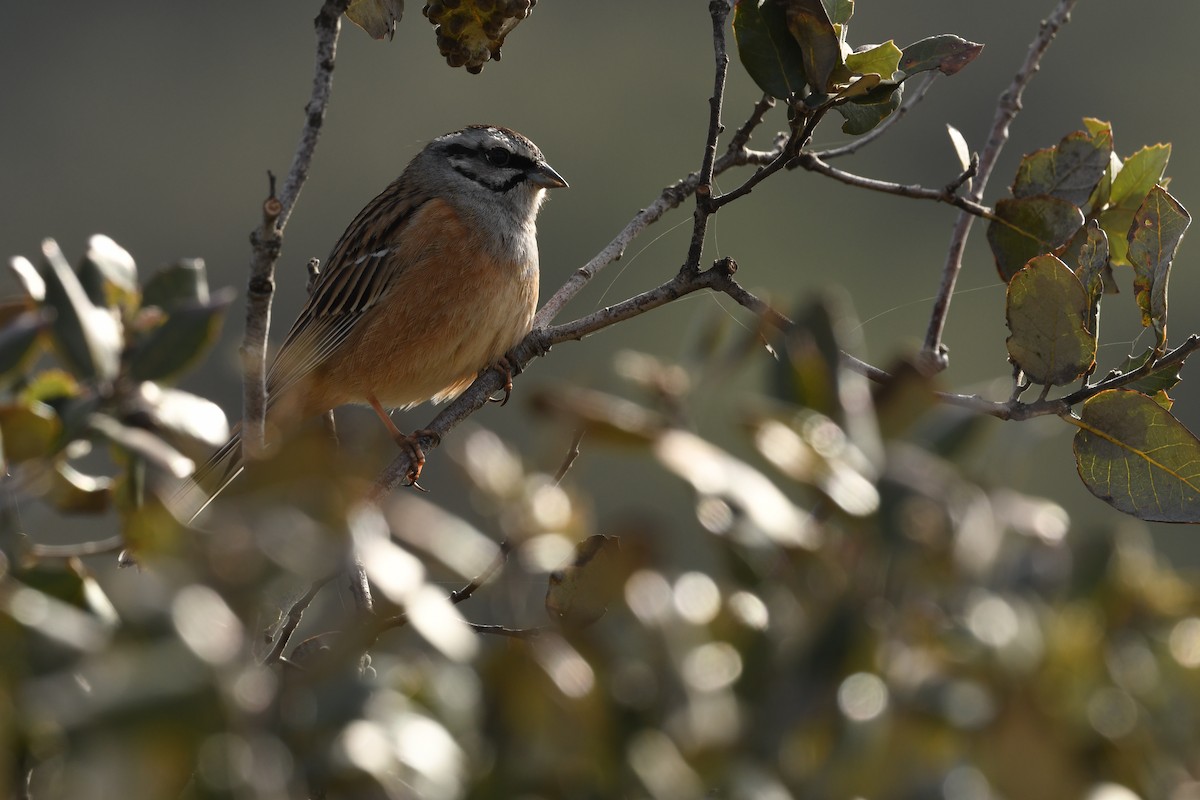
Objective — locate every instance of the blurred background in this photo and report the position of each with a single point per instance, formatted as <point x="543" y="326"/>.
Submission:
<point x="155" y="123"/>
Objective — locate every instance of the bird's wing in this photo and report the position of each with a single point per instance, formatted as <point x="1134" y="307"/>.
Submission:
<point x="360" y="268"/>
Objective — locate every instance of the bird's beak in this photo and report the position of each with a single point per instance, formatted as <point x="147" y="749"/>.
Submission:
<point x="544" y="176"/>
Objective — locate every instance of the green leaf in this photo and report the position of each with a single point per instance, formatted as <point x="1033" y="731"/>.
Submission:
<point x="1047" y="312"/>
<point x="1140" y="173"/>
<point x="1135" y="456"/>
<point x="109" y="275"/>
<point x="88" y="338"/>
<point x="820" y="48"/>
<point x="882" y="59"/>
<point x="1026" y="227"/>
<point x="1158" y="227"/>
<point x="173" y="347"/>
<point x="864" y="113"/>
<point x="1069" y="170"/>
<point x="1163" y="379"/>
<point x="28" y="431"/>
<point x="377" y="17"/>
<point x="946" y="53"/>
<point x="766" y="48"/>
<point x="183" y="283"/>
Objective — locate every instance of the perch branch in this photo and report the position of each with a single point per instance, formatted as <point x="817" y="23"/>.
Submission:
<point x="935" y="352"/>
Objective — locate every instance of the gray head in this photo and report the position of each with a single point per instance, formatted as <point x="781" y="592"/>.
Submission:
<point x="492" y="165"/>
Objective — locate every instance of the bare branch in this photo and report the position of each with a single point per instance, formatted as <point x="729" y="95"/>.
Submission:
<point x="291" y="620"/>
<point x="935" y="352"/>
<point x="267" y="239"/>
<point x="719" y="11"/>
<point x="811" y="162"/>
<point x="459" y="595"/>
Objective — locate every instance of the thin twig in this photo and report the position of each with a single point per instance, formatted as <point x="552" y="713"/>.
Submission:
<point x="499" y="561"/>
<point x="935" y="352"/>
<point x="569" y="458"/>
<point x="812" y="163"/>
<point x="292" y="620"/>
<point x="67" y="551"/>
<point x="719" y="11"/>
<point x="512" y="633"/>
<point x="267" y="239"/>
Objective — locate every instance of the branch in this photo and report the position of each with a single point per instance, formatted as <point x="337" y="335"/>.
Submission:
<point x="267" y="239"/>
<point x="719" y="11"/>
<point x="292" y="620"/>
<point x="812" y="163"/>
<point x="935" y="352"/>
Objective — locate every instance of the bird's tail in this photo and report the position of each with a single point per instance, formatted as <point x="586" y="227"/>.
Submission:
<point x="190" y="499"/>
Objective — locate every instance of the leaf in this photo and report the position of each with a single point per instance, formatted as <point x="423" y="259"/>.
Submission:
<point x="579" y="594"/>
<point x="766" y="48"/>
<point x="1136" y="176"/>
<point x="1093" y="260"/>
<point x="29" y="278"/>
<point x="959" y="143"/>
<point x="946" y="53"/>
<point x="88" y="338"/>
<point x="73" y="492"/>
<point x="1158" y="227"/>
<point x="17" y="340"/>
<point x="173" y="347"/>
<point x="28" y="431"/>
<point x="377" y="17"/>
<point x="820" y="49"/>
<point x="1071" y="170"/>
<point x="109" y="275"/>
<point x="142" y="443"/>
<point x="1047" y="312"/>
<point x="183" y="283"/>
<point x="1027" y="227"/>
<point x="714" y="473"/>
<point x="839" y="11"/>
<point x="183" y="414"/>
<point x="858" y="87"/>
<point x="812" y="449"/>
<point x="1135" y="456"/>
<point x="1158" y="380"/>
<point x="882" y="59"/>
<point x="864" y="113"/>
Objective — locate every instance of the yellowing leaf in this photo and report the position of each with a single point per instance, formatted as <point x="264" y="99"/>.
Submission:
<point x="1027" y="227"/>
<point x="377" y="17"/>
<point x="1135" y="456"/>
<point x="1158" y="227"/>
<point x="1047" y="312"/>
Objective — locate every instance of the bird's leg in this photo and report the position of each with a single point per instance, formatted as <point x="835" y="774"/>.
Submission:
<point x="510" y="367"/>
<point x="411" y="442"/>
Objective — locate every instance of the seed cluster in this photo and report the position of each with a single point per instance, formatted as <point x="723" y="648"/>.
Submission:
<point x="471" y="32"/>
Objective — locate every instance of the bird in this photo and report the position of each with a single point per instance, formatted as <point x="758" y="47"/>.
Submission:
<point x="433" y="280"/>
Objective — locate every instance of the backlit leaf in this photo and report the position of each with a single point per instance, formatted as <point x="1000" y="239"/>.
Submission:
<point x="864" y="113"/>
<point x="1028" y="227"/>
<point x="578" y="594"/>
<point x="377" y="17"/>
<point x="882" y="59"/>
<point x="1137" y="175"/>
<point x="959" y="143"/>
<point x="1135" y="456"/>
<point x="173" y="347"/>
<point x="88" y="337"/>
<point x="28" y="431"/>
<point x="183" y="283"/>
<point x="1069" y="170"/>
<point x="839" y="11"/>
<point x="1158" y="227"/>
<point x="109" y="275"/>
<point x="1047" y="312"/>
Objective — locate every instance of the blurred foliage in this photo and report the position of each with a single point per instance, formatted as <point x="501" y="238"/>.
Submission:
<point x="837" y="606"/>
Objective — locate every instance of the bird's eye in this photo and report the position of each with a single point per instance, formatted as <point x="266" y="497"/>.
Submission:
<point x="497" y="156"/>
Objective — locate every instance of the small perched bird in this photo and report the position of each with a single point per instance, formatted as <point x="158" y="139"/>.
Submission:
<point x="434" y="280"/>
